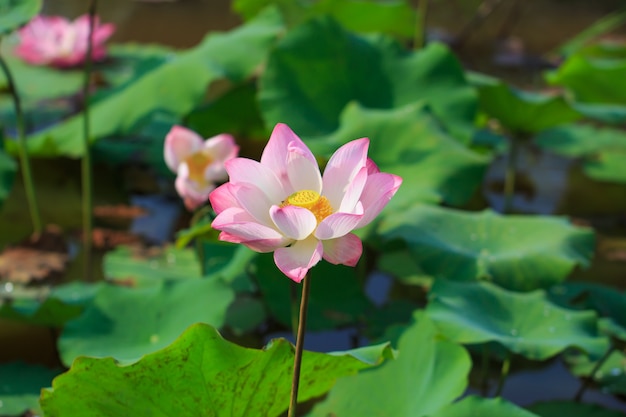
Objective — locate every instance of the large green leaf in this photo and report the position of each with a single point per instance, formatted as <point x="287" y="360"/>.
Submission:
<point x="428" y="374"/>
<point x="7" y="175"/>
<point x="395" y="17"/>
<point x="610" y="304"/>
<point x="409" y="142"/>
<point x="51" y="312"/>
<point x="175" y="87"/>
<point x="200" y="374"/>
<point x="318" y="68"/>
<point x="127" y="323"/>
<point x="525" y="323"/>
<point x="149" y="266"/>
<point x="336" y="298"/>
<point x="483" y="407"/>
<point x="522" y="112"/>
<point x="603" y="150"/>
<point x="572" y="409"/>
<point x="21" y="386"/>
<point x="517" y="252"/>
<point x="15" y="13"/>
<point x="591" y="79"/>
<point x="609" y="377"/>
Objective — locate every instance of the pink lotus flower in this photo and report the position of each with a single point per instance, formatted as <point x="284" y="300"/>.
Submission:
<point x="55" y="41"/>
<point x="198" y="163"/>
<point x="283" y="203"/>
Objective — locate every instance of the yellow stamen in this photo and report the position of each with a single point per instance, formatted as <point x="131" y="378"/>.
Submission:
<point x="309" y="199"/>
<point x="197" y="164"/>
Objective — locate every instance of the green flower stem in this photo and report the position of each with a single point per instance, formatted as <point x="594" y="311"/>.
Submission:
<point x="293" y="300"/>
<point x="86" y="168"/>
<point x="297" y="362"/>
<point x="587" y="381"/>
<point x="197" y="216"/>
<point x="27" y="175"/>
<point x="509" y="179"/>
<point x="419" y="39"/>
<point x="506" y="365"/>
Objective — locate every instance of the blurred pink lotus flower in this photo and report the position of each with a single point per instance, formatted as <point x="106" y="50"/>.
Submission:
<point x="55" y="41"/>
<point x="283" y="203"/>
<point x="199" y="164"/>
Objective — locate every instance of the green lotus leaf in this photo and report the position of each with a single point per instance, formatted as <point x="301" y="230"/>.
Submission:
<point x="408" y="141"/>
<point x="176" y="87"/>
<point x="428" y="374"/>
<point x="318" y="68"/>
<point x="21" y="386"/>
<point x="201" y="374"/>
<point x="36" y="83"/>
<point x="525" y="323"/>
<point x="608" y="302"/>
<point x="483" y="407"/>
<point x="516" y="252"/>
<point x="7" y="175"/>
<point x="327" y="309"/>
<point x="572" y="409"/>
<point x="610" y="377"/>
<point x="148" y="266"/>
<point x="51" y="312"/>
<point x="592" y="80"/>
<point x="603" y="150"/>
<point x="236" y="112"/>
<point x="15" y="13"/>
<point x="127" y="323"/>
<point x="522" y="112"/>
<point x="391" y="17"/>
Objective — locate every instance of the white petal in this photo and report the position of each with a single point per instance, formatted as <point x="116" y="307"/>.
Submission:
<point x="296" y="260"/>
<point x="294" y="222"/>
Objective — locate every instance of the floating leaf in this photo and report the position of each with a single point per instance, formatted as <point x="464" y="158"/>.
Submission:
<point x="516" y="252"/>
<point x="610" y="377"/>
<point x="410" y="142"/>
<point x="127" y="323"/>
<point x="395" y="17"/>
<point x="175" y="87"/>
<point x="15" y="13"/>
<point x="603" y="150"/>
<point x="483" y="407"/>
<point x="592" y="80"/>
<point x="522" y="112"/>
<point x="428" y="374"/>
<point x="526" y="323"/>
<point x="318" y="68"/>
<point x="606" y="301"/>
<point x="572" y="409"/>
<point x="21" y="386"/>
<point x="200" y="374"/>
<point x="147" y="266"/>
<point x="51" y="312"/>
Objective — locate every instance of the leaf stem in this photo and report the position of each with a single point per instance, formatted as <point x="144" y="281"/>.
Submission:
<point x="197" y="216"/>
<point x="86" y="168"/>
<point x="27" y="176"/>
<point x="506" y="366"/>
<point x="587" y="381"/>
<point x="297" y="362"/>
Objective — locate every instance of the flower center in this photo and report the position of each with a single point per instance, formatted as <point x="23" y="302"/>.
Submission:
<point x="197" y="164"/>
<point x="309" y="199"/>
